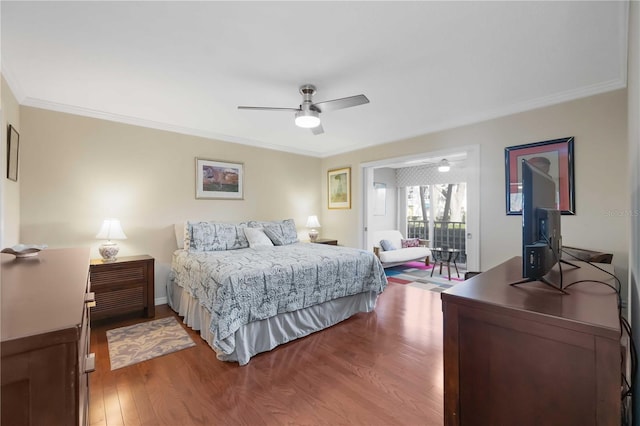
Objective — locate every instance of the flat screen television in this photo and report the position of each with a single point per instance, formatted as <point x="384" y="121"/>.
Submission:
<point x="541" y="233"/>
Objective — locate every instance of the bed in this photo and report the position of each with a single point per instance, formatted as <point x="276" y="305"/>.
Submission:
<point x="248" y="291"/>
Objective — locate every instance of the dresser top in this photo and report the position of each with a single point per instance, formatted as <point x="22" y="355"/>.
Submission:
<point x="43" y="293"/>
<point x="588" y="304"/>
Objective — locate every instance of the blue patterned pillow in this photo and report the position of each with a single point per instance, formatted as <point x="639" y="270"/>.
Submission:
<point x="386" y="245"/>
<point x="282" y="233"/>
<point x="213" y="236"/>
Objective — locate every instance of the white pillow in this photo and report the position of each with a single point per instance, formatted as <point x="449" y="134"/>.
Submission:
<point x="257" y="237"/>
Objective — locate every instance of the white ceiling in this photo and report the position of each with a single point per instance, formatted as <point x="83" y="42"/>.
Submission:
<point x="425" y="66"/>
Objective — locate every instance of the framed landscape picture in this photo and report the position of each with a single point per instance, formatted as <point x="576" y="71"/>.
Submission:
<point x="219" y="179"/>
<point x="554" y="157"/>
<point x="339" y="188"/>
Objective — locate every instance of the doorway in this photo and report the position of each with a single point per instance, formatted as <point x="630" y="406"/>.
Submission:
<point x="464" y="162"/>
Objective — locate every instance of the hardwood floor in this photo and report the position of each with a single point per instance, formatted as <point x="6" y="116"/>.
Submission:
<point x="379" y="368"/>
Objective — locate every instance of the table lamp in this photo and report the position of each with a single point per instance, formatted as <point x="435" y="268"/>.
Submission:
<point x="110" y="230"/>
<point x="312" y="222"/>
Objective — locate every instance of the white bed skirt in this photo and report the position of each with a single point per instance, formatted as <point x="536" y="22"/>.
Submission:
<point x="264" y="335"/>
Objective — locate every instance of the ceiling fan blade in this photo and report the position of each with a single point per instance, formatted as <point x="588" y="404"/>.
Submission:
<point x="318" y="130"/>
<point x="268" y="108"/>
<point x="341" y="103"/>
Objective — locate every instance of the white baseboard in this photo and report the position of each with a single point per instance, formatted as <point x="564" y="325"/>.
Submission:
<point x="161" y="300"/>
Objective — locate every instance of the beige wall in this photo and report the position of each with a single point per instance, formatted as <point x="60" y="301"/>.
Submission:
<point x="599" y="124"/>
<point x="9" y="190"/>
<point x="76" y="171"/>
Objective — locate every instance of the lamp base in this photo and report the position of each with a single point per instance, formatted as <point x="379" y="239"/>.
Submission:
<point x="109" y="251"/>
<point x="313" y="235"/>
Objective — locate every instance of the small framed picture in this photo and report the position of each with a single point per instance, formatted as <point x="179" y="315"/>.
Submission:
<point x="13" y="147"/>
<point x="219" y="180"/>
<point x="554" y="157"/>
<point x="339" y="188"/>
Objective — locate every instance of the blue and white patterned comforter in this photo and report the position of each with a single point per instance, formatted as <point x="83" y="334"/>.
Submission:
<point x="245" y="285"/>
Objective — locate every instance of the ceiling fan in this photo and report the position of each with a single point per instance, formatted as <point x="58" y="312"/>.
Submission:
<point x="308" y="113"/>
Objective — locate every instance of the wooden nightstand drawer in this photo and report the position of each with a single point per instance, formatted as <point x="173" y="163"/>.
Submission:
<point x="125" y="285"/>
<point x="326" y="241"/>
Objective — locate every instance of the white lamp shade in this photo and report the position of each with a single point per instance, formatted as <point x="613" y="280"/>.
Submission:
<point x="111" y="230"/>
<point x="312" y="222"/>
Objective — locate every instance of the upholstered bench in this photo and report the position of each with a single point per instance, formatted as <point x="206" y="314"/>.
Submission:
<point x="398" y="255"/>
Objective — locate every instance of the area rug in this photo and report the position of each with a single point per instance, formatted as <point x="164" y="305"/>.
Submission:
<point x="140" y="342"/>
<point x="416" y="274"/>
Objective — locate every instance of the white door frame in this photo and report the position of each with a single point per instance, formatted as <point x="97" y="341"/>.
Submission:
<point x="473" y="197"/>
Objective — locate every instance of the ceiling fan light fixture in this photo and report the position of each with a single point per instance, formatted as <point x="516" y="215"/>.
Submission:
<point x="443" y="166"/>
<point x="307" y="119"/>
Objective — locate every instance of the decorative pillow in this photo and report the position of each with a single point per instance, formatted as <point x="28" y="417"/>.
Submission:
<point x="213" y="236"/>
<point x="282" y="233"/>
<point x="410" y="242"/>
<point x="257" y="237"/>
<point x="386" y="245"/>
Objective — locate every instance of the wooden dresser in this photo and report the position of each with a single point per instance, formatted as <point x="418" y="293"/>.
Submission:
<point x="529" y="355"/>
<point x="45" y="338"/>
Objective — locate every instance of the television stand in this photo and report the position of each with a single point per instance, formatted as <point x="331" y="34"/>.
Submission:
<point x="569" y="263"/>
<point x="543" y="280"/>
<point x="546" y="281"/>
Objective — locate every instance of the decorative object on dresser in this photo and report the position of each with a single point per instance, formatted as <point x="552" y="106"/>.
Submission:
<point x="327" y="241"/>
<point x="24" y="250"/>
<point x="123" y="286"/>
<point x="312" y="222"/>
<point x="45" y="338"/>
<point x="110" y="230"/>
<point x="543" y="356"/>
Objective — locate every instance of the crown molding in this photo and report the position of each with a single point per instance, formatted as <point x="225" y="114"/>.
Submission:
<point x="135" y="121"/>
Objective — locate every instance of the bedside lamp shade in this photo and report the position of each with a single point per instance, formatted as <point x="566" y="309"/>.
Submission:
<point x="110" y="230"/>
<point x="312" y="222"/>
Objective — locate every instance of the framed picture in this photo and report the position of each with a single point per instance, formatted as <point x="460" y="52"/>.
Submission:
<point x="555" y="157"/>
<point x="219" y="179"/>
<point x="339" y="188"/>
<point x="13" y="146"/>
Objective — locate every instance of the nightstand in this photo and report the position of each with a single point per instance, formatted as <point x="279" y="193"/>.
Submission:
<point x="326" y="241"/>
<point x="123" y="286"/>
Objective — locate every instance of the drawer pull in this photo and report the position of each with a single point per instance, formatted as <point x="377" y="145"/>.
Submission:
<point x="90" y="363"/>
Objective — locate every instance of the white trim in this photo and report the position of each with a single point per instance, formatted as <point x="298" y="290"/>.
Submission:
<point x="486" y="115"/>
<point x="161" y="300"/>
<point x="570" y="95"/>
<point x="135" y="121"/>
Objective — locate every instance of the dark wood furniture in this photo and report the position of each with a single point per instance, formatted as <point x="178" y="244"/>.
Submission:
<point x="529" y="355"/>
<point x="123" y="286"/>
<point x="45" y="338"/>
<point x="326" y="241"/>
<point x="586" y="255"/>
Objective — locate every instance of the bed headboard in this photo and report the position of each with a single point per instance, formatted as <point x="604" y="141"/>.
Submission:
<point x="179" y="230"/>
